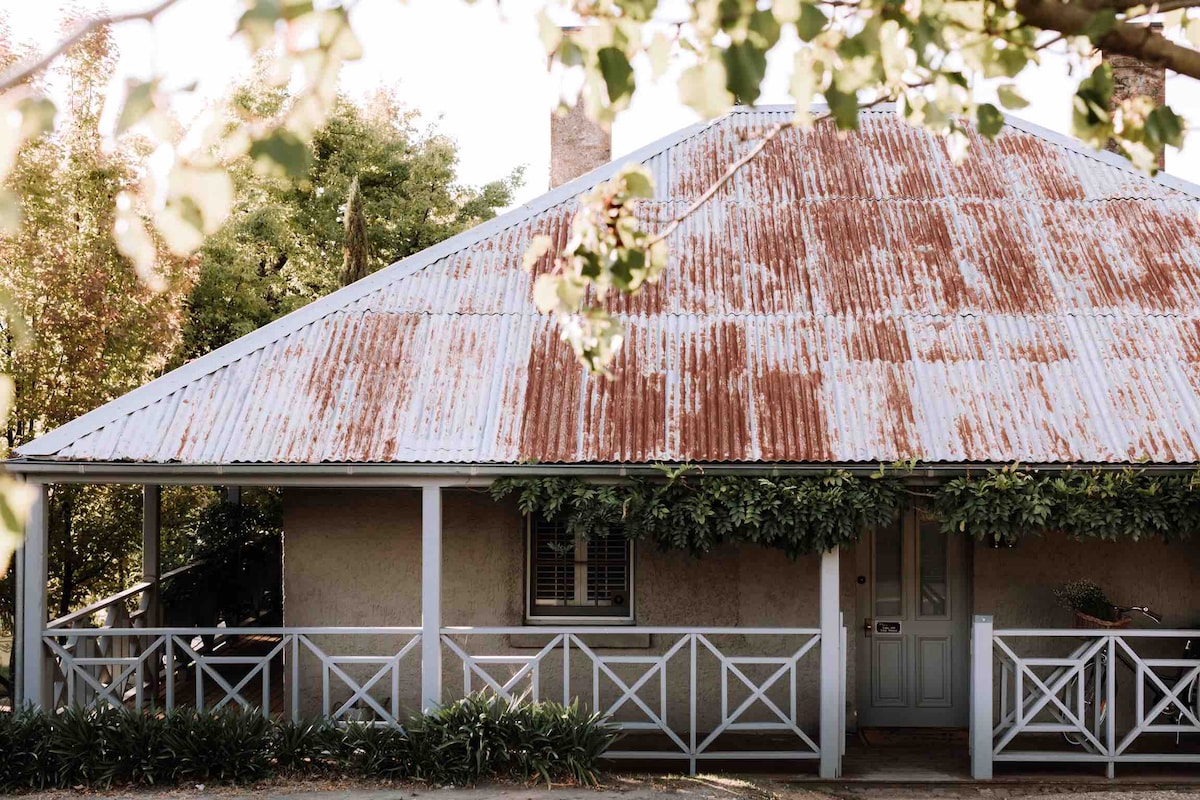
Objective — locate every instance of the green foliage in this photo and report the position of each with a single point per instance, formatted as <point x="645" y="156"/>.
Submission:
<point x="798" y="515"/>
<point x="811" y="514"/>
<point x="240" y="550"/>
<point x="1004" y="505"/>
<point x="227" y="746"/>
<point x="28" y="763"/>
<point x="477" y="738"/>
<point x="355" y="251"/>
<point x="482" y="737"/>
<point x="286" y="242"/>
<point x="1086" y="597"/>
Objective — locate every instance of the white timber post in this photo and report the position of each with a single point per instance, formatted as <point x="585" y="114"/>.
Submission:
<point x="17" y="662"/>
<point x="831" y="662"/>
<point x="431" y="598"/>
<point x="35" y="677"/>
<point x="981" y="698"/>
<point x="151" y="560"/>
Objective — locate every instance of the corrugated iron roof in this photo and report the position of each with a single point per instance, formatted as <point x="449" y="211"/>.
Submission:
<point x="844" y="299"/>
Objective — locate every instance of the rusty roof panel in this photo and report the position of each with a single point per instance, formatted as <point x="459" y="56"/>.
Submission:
<point x="851" y="298"/>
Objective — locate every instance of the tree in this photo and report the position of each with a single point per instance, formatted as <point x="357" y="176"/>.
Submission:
<point x="354" y="245"/>
<point x="81" y="327"/>
<point x="284" y="244"/>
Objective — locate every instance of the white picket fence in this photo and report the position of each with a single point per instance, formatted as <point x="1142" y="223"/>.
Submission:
<point x="1087" y="696"/>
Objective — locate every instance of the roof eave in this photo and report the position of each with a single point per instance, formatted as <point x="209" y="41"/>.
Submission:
<point x="414" y="474"/>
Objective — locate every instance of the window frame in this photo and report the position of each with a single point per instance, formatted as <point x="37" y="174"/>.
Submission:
<point x="575" y="615"/>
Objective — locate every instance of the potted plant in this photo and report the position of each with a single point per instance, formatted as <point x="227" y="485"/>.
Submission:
<point x="1092" y="607"/>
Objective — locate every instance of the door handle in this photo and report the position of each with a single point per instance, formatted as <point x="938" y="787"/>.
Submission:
<point x="868" y="626"/>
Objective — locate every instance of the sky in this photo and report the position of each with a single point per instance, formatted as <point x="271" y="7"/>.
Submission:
<point x="476" y="72"/>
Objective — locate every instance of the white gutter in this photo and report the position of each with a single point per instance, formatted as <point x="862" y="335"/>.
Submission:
<point x="414" y="475"/>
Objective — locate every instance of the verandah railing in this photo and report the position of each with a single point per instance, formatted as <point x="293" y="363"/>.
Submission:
<point x="253" y="667"/>
<point x="689" y="694"/>
<point x="1085" y="696"/>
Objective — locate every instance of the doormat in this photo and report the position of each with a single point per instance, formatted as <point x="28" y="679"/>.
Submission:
<point x="911" y="737"/>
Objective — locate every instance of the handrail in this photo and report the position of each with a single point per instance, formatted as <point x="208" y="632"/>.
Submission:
<point x="180" y="570"/>
<point x="585" y="630"/>
<point x="100" y="605"/>
<point x="217" y="631"/>
<point x="124" y="594"/>
<point x="1094" y="633"/>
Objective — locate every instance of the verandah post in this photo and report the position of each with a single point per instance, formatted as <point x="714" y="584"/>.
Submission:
<point x="431" y="597"/>
<point x="35" y="677"/>
<point x="831" y="679"/>
<point x="981" y="697"/>
<point x="151" y="538"/>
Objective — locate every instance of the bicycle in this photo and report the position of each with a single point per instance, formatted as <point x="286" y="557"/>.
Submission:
<point x="1093" y="676"/>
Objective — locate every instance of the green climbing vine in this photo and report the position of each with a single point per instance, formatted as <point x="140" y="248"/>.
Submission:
<point x="691" y="511"/>
<point x="1004" y="505"/>
<point x="695" y="512"/>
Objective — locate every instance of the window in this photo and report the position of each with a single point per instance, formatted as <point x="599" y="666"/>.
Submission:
<point x="573" y="577"/>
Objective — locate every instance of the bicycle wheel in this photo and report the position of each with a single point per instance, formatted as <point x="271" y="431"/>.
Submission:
<point x="1091" y="714"/>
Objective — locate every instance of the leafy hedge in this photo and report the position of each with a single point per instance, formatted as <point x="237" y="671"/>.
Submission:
<point x="695" y="512"/>
<point x="476" y="738"/>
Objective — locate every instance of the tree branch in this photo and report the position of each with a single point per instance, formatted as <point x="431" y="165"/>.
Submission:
<point x="23" y="72"/>
<point x="1139" y="41"/>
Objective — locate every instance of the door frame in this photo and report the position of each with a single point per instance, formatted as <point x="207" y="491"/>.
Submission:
<point x="863" y="579"/>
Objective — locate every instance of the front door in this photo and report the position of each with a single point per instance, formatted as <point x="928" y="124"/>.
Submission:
<point x="913" y="625"/>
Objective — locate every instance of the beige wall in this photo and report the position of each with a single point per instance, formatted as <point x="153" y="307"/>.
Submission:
<point x="1016" y="585"/>
<point x="352" y="557"/>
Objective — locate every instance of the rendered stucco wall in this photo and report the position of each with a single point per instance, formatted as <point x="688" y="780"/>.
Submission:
<point x="352" y="557"/>
<point x="1016" y="585"/>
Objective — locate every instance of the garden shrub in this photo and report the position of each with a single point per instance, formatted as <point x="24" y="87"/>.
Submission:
<point x="477" y="738"/>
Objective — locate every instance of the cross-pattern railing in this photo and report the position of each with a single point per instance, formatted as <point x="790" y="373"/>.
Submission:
<point x="1096" y="696"/>
<point x="696" y="689"/>
<point x="210" y="668"/>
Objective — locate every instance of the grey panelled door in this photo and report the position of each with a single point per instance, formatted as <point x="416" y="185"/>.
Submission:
<point x="913" y="626"/>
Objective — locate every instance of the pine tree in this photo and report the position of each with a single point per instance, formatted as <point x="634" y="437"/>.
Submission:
<point x="355" y="265"/>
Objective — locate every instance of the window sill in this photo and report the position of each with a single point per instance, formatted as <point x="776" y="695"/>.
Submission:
<point x="596" y="641"/>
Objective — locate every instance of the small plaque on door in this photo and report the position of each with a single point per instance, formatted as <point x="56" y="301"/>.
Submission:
<point x="887" y="627"/>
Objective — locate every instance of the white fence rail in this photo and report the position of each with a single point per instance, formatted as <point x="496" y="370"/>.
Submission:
<point x="691" y="687"/>
<point x="1091" y="696"/>
<point x="153" y="667"/>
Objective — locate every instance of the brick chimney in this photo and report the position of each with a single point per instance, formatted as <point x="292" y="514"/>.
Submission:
<point x="577" y="145"/>
<point x="1133" y="77"/>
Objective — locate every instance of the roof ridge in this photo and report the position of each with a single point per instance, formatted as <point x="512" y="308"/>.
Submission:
<point x="166" y="385"/>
